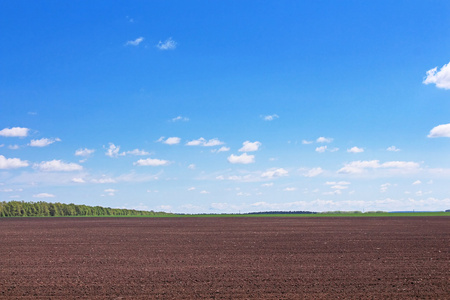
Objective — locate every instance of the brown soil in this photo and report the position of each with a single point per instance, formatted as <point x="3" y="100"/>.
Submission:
<point x="231" y="258"/>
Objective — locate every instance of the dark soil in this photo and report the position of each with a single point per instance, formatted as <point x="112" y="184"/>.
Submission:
<point x="231" y="258"/>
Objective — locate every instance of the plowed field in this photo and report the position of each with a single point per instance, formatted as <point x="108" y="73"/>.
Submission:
<point x="231" y="258"/>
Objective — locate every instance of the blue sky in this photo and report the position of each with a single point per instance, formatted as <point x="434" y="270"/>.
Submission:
<point x="209" y="106"/>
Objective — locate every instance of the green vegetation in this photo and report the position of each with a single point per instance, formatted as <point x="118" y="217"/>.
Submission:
<point x="45" y="209"/>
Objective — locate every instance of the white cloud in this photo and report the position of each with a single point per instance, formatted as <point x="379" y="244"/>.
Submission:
<point x="12" y="163"/>
<point x="154" y="162"/>
<point x="324" y="140"/>
<point x="180" y="118"/>
<point x="57" y="166"/>
<point x="339" y="182"/>
<point x="43" y="142"/>
<point x="14" y="132"/>
<point x="290" y="189"/>
<point x="417" y="182"/>
<point x="244" y="158"/>
<point x="113" y="150"/>
<point x="168" y="44"/>
<point x="267" y="184"/>
<point x="137" y="152"/>
<point x="321" y="149"/>
<point x="204" y="192"/>
<point x="355" y="150"/>
<point x="84" y="152"/>
<point x="358" y="167"/>
<point x="305" y="142"/>
<point x="78" y="180"/>
<point x="110" y="192"/>
<point x="191" y="166"/>
<point x="202" y="142"/>
<point x="222" y="149"/>
<point x="191" y="188"/>
<point x="44" y="195"/>
<point x="384" y="187"/>
<point x="441" y="78"/>
<point x="103" y="180"/>
<point x="313" y="172"/>
<point x="249" y="146"/>
<point x="440" y="131"/>
<point x="270" y="117"/>
<point x="13" y="147"/>
<point x="136" y="42"/>
<point x="273" y="173"/>
<point x="393" y="149"/>
<point x="172" y="140"/>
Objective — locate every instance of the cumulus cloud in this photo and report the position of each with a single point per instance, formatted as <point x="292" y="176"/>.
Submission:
<point x="305" y="142"/>
<point x="417" y="182"/>
<point x="137" y="152"/>
<point x="84" y="152"/>
<point x="290" y="189"/>
<point x="153" y="162"/>
<point x="172" y="140"/>
<point x="313" y="172"/>
<point x="202" y="142"/>
<point x="135" y="42"/>
<point x="273" y="173"/>
<point x="44" y="195"/>
<point x="12" y="163"/>
<point x="267" y="184"/>
<point x="221" y="149"/>
<point x="440" y="78"/>
<point x="13" y="147"/>
<point x="168" y="44"/>
<point x="43" y="142"/>
<point x="393" y="149"/>
<point x="270" y="117"/>
<point x="204" y="192"/>
<point x="112" y="151"/>
<point x="322" y="149"/>
<point x="110" y="192"/>
<point x="249" y="146"/>
<point x="191" y="167"/>
<point x="440" y="131"/>
<point x="244" y="158"/>
<point x="358" y="167"/>
<point x="191" y="188"/>
<point x="57" y="166"/>
<point x="103" y="180"/>
<point x="355" y="150"/>
<point x="324" y="140"/>
<point x="14" y="132"/>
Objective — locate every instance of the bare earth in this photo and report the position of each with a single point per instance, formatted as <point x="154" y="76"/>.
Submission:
<point x="231" y="258"/>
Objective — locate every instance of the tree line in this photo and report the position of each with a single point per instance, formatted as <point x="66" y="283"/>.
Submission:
<point x="45" y="209"/>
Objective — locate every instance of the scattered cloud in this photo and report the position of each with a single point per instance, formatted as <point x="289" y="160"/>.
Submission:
<point x="191" y="167"/>
<point x="324" y="140"/>
<point x="322" y="149"/>
<point x="168" y="44"/>
<point x="57" y="166"/>
<point x="204" y="192"/>
<point x="290" y="189"/>
<point x="112" y="151"/>
<point x="250" y="147"/>
<point x="417" y="182"/>
<point x="440" y="78"/>
<point x="191" y="188"/>
<point x="221" y="149"/>
<point x="355" y="150"/>
<point x="273" y="173"/>
<point x="44" y="195"/>
<point x="202" y="142"/>
<point x="136" y="152"/>
<point x="78" y="180"/>
<point x="14" y="132"/>
<point x="84" y="152"/>
<point x="43" y="142"/>
<point x="358" y="167"/>
<point x="180" y="118"/>
<point x="305" y="142"/>
<point x="135" y="42"/>
<point x="172" y="141"/>
<point x="104" y="179"/>
<point x="270" y="117"/>
<point x="110" y="192"/>
<point x="393" y="149"/>
<point x="313" y="172"/>
<point x="13" y="147"/>
<point x="267" y="184"/>
<point x="440" y="131"/>
<point x="12" y="163"/>
<point x="244" y="158"/>
<point x="153" y="162"/>
<point x="384" y="187"/>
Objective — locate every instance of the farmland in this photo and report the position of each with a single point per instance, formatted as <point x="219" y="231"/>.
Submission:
<point x="240" y="257"/>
